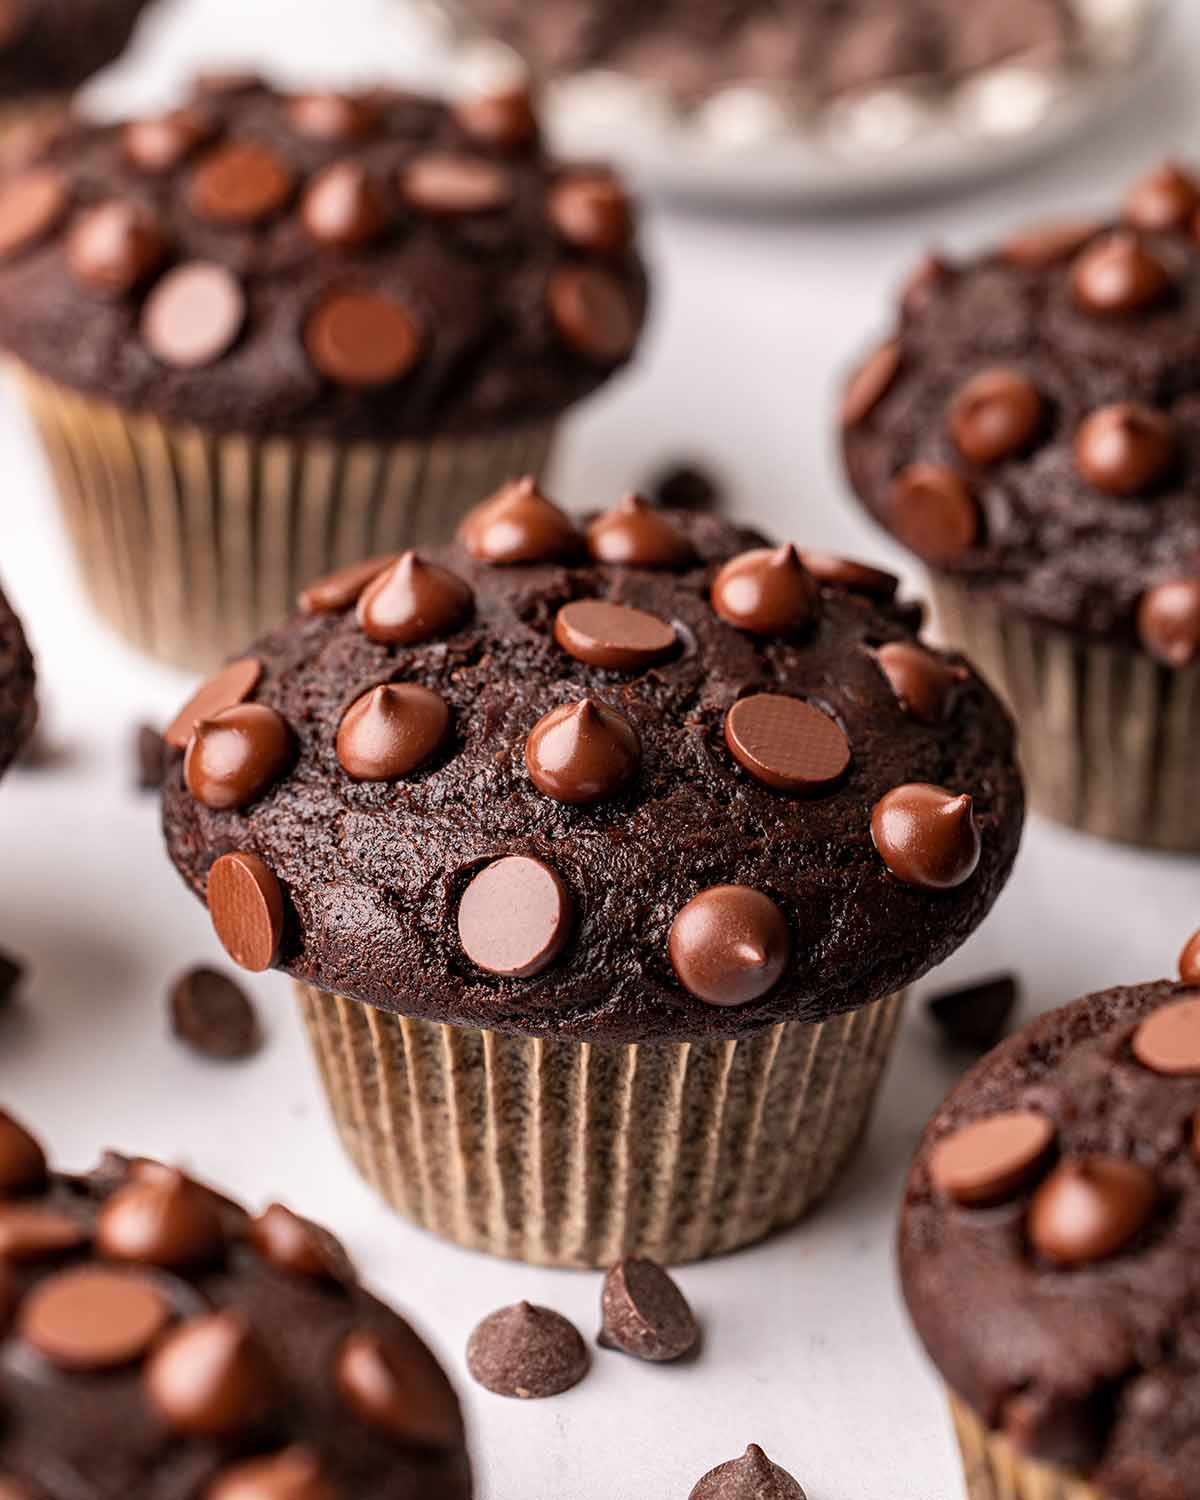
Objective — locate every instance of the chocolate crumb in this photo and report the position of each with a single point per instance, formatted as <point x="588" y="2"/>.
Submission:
<point x="644" y="1313"/>
<point x="976" y="1016"/>
<point x="528" y="1352"/>
<point x="751" y="1477"/>
<point x="214" y="1016"/>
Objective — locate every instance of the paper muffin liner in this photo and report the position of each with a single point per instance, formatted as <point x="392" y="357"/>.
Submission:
<point x="192" y="543"/>
<point x="567" y="1153"/>
<point x="1108" y="736"/>
<point x="994" y="1470"/>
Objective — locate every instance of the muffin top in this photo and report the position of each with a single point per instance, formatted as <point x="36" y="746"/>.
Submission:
<point x="377" y="266"/>
<point x="18" y="710"/>
<point x="52" y="46"/>
<point x="1032" y="428"/>
<point x="158" y="1342"/>
<point x="655" y="782"/>
<point x="1048" y="1243"/>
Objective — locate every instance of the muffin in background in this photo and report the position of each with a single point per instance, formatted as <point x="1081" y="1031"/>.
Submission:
<point x="603" y="858"/>
<point x="1047" y="1250"/>
<point x="18" y="707"/>
<point x="1030" y="432"/>
<point x="264" y="336"/>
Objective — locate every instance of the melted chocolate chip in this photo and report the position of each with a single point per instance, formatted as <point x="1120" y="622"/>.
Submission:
<point x="232" y="685"/>
<point x="594" y="314"/>
<point x="339" y="590"/>
<point x="1168" y="621"/>
<point x="1164" y="199"/>
<point x="299" y="1246"/>
<point x="240" y="183"/>
<point x="161" y="1220"/>
<point x="399" y="1392"/>
<point x="635" y="535"/>
<point x="362" y="341"/>
<point x="453" y="185"/>
<point x="194" y="315"/>
<point x="1090" y="1208"/>
<point x="591" y="211"/>
<point x="614" y="636"/>
<point x="992" y="1159"/>
<point x="767" y="592"/>
<point x="210" y="1378"/>
<point x="412" y="601"/>
<point x="927" y="836"/>
<point x="1168" y="1041"/>
<point x="924" y="685"/>
<point x="1118" y="276"/>
<point x="236" y="755"/>
<point x="29" y="1232"/>
<point x="1127" y="449"/>
<point x="115" y="246"/>
<point x="870" y="383"/>
<point x="518" y="524"/>
<point x="787" y="744"/>
<point x="245" y="902"/>
<point x="93" y="1318"/>
<point x="583" y="752"/>
<point x="527" y="1351"/>
<point x="934" y="512"/>
<point x="515" y="917"/>
<point x="159" y="144"/>
<point x="391" y="730"/>
<point x="342" y="207"/>
<point x="730" y="945"/>
<point x="843" y="572"/>
<point x="995" y="415"/>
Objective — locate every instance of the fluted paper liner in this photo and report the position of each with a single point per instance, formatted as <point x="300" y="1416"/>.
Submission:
<point x="192" y="544"/>
<point x="994" y="1470"/>
<point x="1108" y="737"/>
<point x="572" y="1154"/>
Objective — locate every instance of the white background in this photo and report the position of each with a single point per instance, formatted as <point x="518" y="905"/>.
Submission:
<point x="806" y="1347"/>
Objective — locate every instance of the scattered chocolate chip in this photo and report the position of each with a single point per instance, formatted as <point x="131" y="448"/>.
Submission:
<point x="159" y="144"/>
<point x="12" y="972"/>
<point x="993" y="1159"/>
<point x="29" y="1232"/>
<point x="163" y="1219"/>
<point x="32" y="203"/>
<point x="527" y="1351"/>
<point x="295" y="1474"/>
<point x="635" y="535"/>
<point x="1163" y="199"/>
<point x="518" y="524"/>
<point x="594" y="313"/>
<point x="730" y="945"/>
<point x="751" y="1477"/>
<point x="232" y="685"/>
<point x="995" y="415"/>
<point x="1118" y="275"/>
<point x="397" y="1391"/>
<point x="927" y="836"/>
<point x="786" y="743"/>
<point x="1126" y="449"/>
<point x="1089" y="1208"/>
<point x="93" y="1318"/>
<point x="644" y="1313"/>
<point x="22" y="1160"/>
<point x="515" y="917"/>
<point x="209" y="1378"/>
<point x="504" y="121"/>
<point x="870" y="383"/>
<point x="332" y="117"/>
<point x="342" y="208"/>
<point x="115" y="246"/>
<point x="1189" y="960"/>
<point x="614" y="636"/>
<point x="339" y="590"/>
<point x="1044" y="245"/>
<point x="768" y="591"/>
<point x="1168" y="1041"/>
<point x="245" y="902"/>
<point x="412" y="601"/>
<point x="150" y="753"/>
<point x="843" y="572"/>
<point x="236" y="755"/>
<point x="239" y="183"/>
<point x="924" y="684"/>
<point x="583" y="752"/>
<point x="590" y="210"/>
<point x="298" y="1246"/>
<point x="214" y="1016"/>
<point x="976" y="1016"/>
<point x="934" y="512"/>
<point x="447" y="184"/>
<point x="1168" y="621"/>
<point x="362" y="341"/>
<point x="391" y="730"/>
<point x="686" y="486"/>
<point x="194" y="315"/>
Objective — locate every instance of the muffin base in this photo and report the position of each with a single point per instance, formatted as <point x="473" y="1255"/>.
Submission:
<point x="994" y="1470"/>
<point x="192" y="544"/>
<point x="1108" y="736"/>
<point x="566" y="1153"/>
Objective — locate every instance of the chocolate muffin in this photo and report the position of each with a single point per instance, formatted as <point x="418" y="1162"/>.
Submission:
<point x="1030" y="432"/>
<point x="18" y="709"/>
<point x="1047" y="1250"/>
<point x="652" y="813"/>
<point x="263" y="336"/>
<point x="160" y="1342"/>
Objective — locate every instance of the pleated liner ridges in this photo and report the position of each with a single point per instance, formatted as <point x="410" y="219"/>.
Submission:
<point x="995" y="1471"/>
<point x="568" y="1154"/>
<point x="1108" y="737"/>
<point x="192" y="545"/>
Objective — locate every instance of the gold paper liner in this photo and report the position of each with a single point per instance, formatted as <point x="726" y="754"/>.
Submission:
<point x="192" y="544"/>
<point x="1108" y="737"/>
<point x="570" y="1154"/>
<point x="994" y="1470"/>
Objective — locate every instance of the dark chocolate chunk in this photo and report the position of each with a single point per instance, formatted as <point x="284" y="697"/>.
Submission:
<point x="527" y="1351"/>
<point x="976" y="1016"/>
<point x="644" y="1313"/>
<point x="214" y="1016"/>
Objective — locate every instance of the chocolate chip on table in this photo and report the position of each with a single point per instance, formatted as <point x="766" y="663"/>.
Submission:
<point x="194" y="315"/>
<point x="1168" y="1040"/>
<point x="1164" y="199"/>
<point x="993" y="1159"/>
<point x="232" y="685"/>
<point x="93" y="1318"/>
<point x="504" y="120"/>
<point x="1090" y="1208"/>
<point x="527" y="1351"/>
<point x="730" y="945"/>
<point x="636" y="535"/>
<point x="515" y="918"/>
<point x="976" y="1016"/>
<point x="1168" y="621"/>
<point x="342" y="208"/>
<point x="751" y="1477"/>
<point x="236" y="755"/>
<point x="1041" y="246"/>
<point x="870" y="383"/>
<point x="245" y="902"/>
<point x="686" y="486"/>
<point x="767" y="591"/>
<point x="644" y="1313"/>
<point x="150" y="752"/>
<point x="453" y="184"/>
<point x="933" y="511"/>
<point x="786" y="743"/>
<point x="519" y="524"/>
<point x="291" y="1243"/>
<point x="397" y="1391"/>
<point x="594" y="313"/>
<point x="927" y="836"/>
<point x="614" y="636"/>
<point x="295" y="1474"/>
<point x="115" y="246"/>
<point x="209" y="1378"/>
<point x="1118" y="276"/>
<point x="924" y="684"/>
<point x="161" y="1219"/>
<point x="1189" y="960"/>
<point x="583" y="752"/>
<point x="591" y="211"/>
<point x="391" y="730"/>
<point x="331" y="117"/>
<point x="214" y="1016"/>
<point x="362" y="340"/>
<point x="12" y="972"/>
<point x="239" y="183"/>
<point x="32" y="203"/>
<point x="1127" y="449"/>
<point x="995" y="415"/>
<point x="22" y="1160"/>
<point x="340" y="589"/>
<point x="412" y="601"/>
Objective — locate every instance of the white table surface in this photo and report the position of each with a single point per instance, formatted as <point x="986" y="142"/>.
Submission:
<point x="806" y="1348"/>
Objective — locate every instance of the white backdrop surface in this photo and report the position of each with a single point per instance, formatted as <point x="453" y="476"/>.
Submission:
<point x="806" y="1347"/>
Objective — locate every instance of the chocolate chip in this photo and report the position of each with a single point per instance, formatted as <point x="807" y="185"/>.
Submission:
<point x="1189" y="960"/>
<point x="924" y="685"/>
<point x="515" y="917"/>
<point x="1045" y="245"/>
<point x="444" y="183"/>
<point x="239" y="183"/>
<point x="236" y="755"/>
<point x="976" y="1016"/>
<point x="162" y="1220"/>
<point x="194" y="315"/>
<point x="159" y="144"/>
<point x="730" y="945"/>
<point x="1126" y="449"/>
<point x="232" y="685"/>
<point x="339" y="590"/>
<point x="295" y="1474"/>
<point x="686" y="486"/>
<point x="300" y="1247"/>
<point x="870" y="383"/>
<point x="1089" y="1208"/>
<point x="390" y="731"/>
<point x="992" y="1159"/>
<point x="751" y="1477"/>
<point x="518" y="524"/>
<point x="1168" y="1041"/>
<point x="843" y="572"/>
<point x="245" y="902"/>
<point x="995" y="415"/>
<point x="786" y="743"/>
<point x="413" y="601"/>
<point x="594" y="313"/>
<point x="115" y="246"/>
<point x="22" y="1160"/>
<point x="527" y="1351"/>
<point x="29" y="1232"/>
<point x="934" y="512"/>
<point x="590" y="210"/>
<point x="332" y="117"/>
<point x="927" y="836"/>
<point x="93" y="1318"/>
<point x="150" y="753"/>
<point x="397" y="1391"/>
<point x="768" y="591"/>
<point x="644" y="1313"/>
<point x="342" y="208"/>
<point x="1168" y="621"/>
<point x="614" y="636"/>
<point x="1164" y="199"/>
<point x="635" y="535"/>
<point x="210" y="1378"/>
<point x="214" y="1016"/>
<point x="32" y="204"/>
<point x="583" y="752"/>
<point x="1117" y="275"/>
<point x="362" y="341"/>
<point x="504" y="120"/>
<point x="12" y="972"/>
